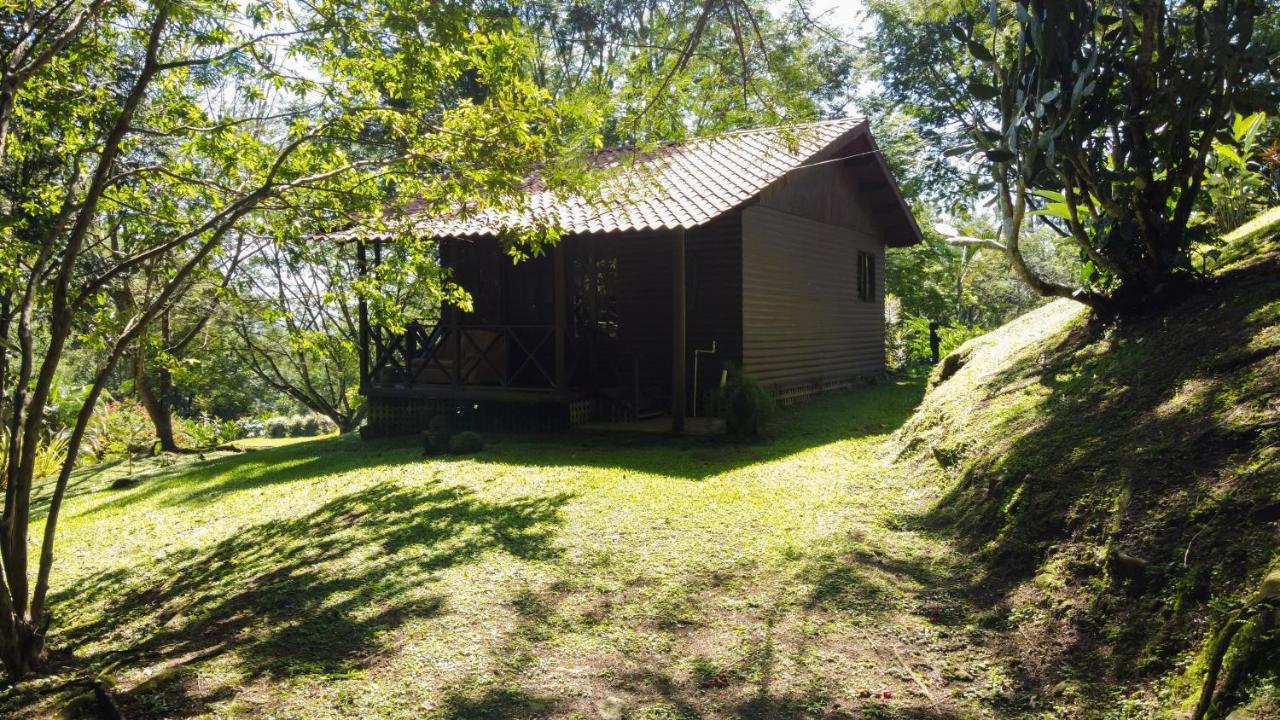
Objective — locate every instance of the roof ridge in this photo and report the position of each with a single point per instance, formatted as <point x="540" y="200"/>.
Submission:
<point x="775" y="128"/>
<point x="674" y="144"/>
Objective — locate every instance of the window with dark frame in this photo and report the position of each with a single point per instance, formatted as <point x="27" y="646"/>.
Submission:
<point x="866" y="276"/>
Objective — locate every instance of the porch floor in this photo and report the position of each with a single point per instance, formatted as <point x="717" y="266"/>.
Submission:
<point x="660" y="425"/>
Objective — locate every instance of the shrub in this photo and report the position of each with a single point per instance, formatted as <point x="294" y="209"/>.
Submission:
<point x="119" y="429"/>
<point x="250" y="427"/>
<point x="310" y="425"/>
<point x="465" y="443"/>
<point x="907" y="340"/>
<point x="206" y="431"/>
<point x="229" y="430"/>
<point x="277" y="427"/>
<point x="196" y="433"/>
<point x="299" y="426"/>
<point x="746" y="406"/>
<point x="49" y="455"/>
<point x="436" y="439"/>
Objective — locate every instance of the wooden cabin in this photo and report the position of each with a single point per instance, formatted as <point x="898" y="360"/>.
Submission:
<point x="762" y="248"/>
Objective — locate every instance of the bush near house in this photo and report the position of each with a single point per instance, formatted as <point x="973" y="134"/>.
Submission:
<point x="746" y="406"/>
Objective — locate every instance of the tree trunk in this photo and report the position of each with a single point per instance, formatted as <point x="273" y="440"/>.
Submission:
<point x="1145" y="291"/>
<point x="25" y="650"/>
<point x="347" y="422"/>
<point x="157" y="400"/>
<point x="156" y="393"/>
<point x="5" y="317"/>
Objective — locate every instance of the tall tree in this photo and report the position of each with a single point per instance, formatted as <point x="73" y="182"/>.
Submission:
<point x="666" y="68"/>
<point x="166" y="344"/>
<point x="138" y="136"/>
<point x="1095" y="113"/>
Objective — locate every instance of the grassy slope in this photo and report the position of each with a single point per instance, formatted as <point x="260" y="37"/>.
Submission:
<point x="1073" y="457"/>
<point x="545" y="577"/>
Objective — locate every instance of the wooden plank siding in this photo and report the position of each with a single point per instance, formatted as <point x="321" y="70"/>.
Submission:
<point x="713" y="301"/>
<point x="804" y="327"/>
<point x="644" y="308"/>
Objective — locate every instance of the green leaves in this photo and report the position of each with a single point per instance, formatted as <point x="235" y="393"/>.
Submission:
<point x="1229" y="154"/>
<point x="1053" y="209"/>
<point x="979" y="52"/>
<point x="1245" y="127"/>
<point x="982" y="91"/>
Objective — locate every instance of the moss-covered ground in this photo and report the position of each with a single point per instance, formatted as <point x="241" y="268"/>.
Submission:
<point x="1120" y="489"/>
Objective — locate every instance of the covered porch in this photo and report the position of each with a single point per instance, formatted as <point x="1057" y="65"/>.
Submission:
<point x="594" y="331"/>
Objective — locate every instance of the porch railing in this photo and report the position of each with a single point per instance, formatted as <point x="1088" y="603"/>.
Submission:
<point x="507" y="356"/>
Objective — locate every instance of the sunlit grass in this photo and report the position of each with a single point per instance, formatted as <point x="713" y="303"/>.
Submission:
<point x="1264" y="223"/>
<point x="1252" y="238"/>
<point x="547" y="575"/>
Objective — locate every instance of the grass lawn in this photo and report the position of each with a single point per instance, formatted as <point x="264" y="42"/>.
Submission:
<point x="546" y="577"/>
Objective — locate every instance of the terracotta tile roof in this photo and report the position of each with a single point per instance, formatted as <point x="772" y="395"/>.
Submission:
<point x="679" y="185"/>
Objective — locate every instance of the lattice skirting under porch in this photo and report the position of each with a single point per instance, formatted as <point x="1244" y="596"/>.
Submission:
<point x="404" y="416"/>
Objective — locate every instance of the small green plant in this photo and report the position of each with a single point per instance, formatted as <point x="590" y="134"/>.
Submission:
<point x="436" y="439"/>
<point x="119" y="429"/>
<point x="1240" y="178"/>
<point x="707" y="672"/>
<point x="746" y="406"/>
<point x="206" y="431"/>
<point x="907" y="340"/>
<point x="50" y="454"/>
<point x="465" y="443"/>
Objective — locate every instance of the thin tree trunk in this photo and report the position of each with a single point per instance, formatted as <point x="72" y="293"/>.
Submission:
<point x="155" y="391"/>
<point x="156" y="396"/>
<point x="6" y="316"/>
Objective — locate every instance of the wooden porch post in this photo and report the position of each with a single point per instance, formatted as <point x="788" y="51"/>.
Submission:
<point x="455" y="324"/>
<point x="362" y="264"/>
<point x="560" y="294"/>
<point x="677" y="332"/>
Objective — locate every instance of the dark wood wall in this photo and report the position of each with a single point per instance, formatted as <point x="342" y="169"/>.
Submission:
<point x="826" y="193"/>
<point x="713" y="301"/>
<point x="773" y="285"/>
<point x="713" y="310"/>
<point x="804" y="327"/>
<point x="644" y="308"/>
<point x="852" y="191"/>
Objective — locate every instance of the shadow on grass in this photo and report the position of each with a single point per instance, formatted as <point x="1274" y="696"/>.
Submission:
<point x="860" y="412"/>
<point x="322" y="595"/>
<point x="728" y="643"/>
<point x="83" y="482"/>
<point x="316" y="595"/>
<point x="865" y="411"/>
<point x="204" y="481"/>
<point x="1147" y="443"/>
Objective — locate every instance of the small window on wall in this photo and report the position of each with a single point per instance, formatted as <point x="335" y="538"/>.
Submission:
<point x="866" y="276"/>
